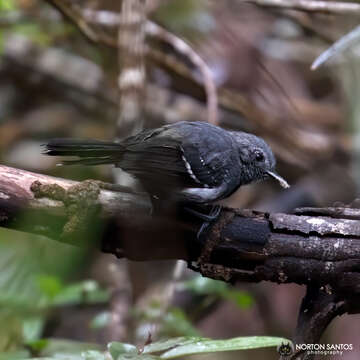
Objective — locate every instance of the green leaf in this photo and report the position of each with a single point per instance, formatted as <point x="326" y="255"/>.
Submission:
<point x="207" y="346"/>
<point x="24" y="259"/>
<point x="38" y="345"/>
<point x="241" y="298"/>
<point x="50" y="285"/>
<point x="33" y="328"/>
<point x="137" y="357"/>
<point x="58" y="357"/>
<point x="7" y="5"/>
<point x="117" y="348"/>
<point x="93" y="355"/>
<point x="176" y="322"/>
<point x="100" y="320"/>
<point x="86" y="355"/>
<point x="205" y="286"/>
<point x="169" y="343"/>
<point x="86" y="291"/>
<point x="15" y="355"/>
<point x="34" y="32"/>
<point x="60" y="347"/>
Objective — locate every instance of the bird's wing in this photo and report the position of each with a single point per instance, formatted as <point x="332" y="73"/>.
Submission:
<point x="156" y="158"/>
<point x="183" y="155"/>
<point x="212" y="155"/>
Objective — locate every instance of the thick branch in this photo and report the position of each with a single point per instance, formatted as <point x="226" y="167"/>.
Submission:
<point x="318" y="308"/>
<point x="317" y="247"/>
<point x="330" y="7"/>
<point x="279" y="247"/>
<point x="17" y="198"/>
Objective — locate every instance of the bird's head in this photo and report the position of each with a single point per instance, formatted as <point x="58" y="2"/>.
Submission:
<point x="256" y="159"/>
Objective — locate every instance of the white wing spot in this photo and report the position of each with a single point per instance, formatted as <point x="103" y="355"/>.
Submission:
<point x="191" y="173"/>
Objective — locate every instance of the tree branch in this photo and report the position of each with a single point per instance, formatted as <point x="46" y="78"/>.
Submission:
<point x="319" y="247"/>
<point x="132" y="74"/>
<point x="330" y="7"/>
<point x="314" y="245"/>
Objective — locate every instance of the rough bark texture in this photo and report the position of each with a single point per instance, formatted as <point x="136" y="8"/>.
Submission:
<point x="316" y="247"/>
<point x="321" y="248"/>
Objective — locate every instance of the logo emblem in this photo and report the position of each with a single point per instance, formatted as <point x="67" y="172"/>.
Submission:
<point x="285" y="349"/>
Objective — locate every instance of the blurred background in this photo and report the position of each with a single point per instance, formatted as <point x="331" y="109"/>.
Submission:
<point x="54" y="82"/>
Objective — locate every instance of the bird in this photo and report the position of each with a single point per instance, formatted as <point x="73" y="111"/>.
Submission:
<point x="183" y="162"/>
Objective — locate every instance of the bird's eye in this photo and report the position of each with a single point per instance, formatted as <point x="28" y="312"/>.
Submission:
<point x="259" y="156"/>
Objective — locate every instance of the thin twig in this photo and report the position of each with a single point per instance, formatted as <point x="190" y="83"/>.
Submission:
<point x="311" y="6"/>
<point x="185" y="49"/>
<point x="110" y="19"/>
<point x="73" y="13"/>
<point x="101" y="17"/>
<point x="337" y="48"/>
<point x="132" y="77"/>
<point x="70" y="12"/>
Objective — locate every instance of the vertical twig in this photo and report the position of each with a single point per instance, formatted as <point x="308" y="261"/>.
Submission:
<point x="131" y="82"/>
<point x="318" y="308"/>
<point x="131" y="38"/>
<point x="337" y="48"/>
<point x="185" y="49"/>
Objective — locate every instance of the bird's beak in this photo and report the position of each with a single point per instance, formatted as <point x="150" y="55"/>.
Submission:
<point x="281" y="180"/>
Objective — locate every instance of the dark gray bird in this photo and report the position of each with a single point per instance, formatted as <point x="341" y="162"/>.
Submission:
<point x="187" y="161"/>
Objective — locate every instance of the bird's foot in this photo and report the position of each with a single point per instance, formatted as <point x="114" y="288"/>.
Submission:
<point x="204" y="263"/>
<point x="211" y="218"/>
<point x="208" y="219"/>
<point x="214" y="213"/>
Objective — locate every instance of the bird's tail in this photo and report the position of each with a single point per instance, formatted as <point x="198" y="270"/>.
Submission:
<point x="90" y="152"/>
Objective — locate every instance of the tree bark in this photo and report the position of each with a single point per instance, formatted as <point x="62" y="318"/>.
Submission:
<point x="319" y="247"/>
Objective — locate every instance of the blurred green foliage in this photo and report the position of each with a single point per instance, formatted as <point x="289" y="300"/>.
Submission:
<point x="38" y="30"/>
<point x="33" y="273"/>
<point x="34" y="32"/>
<point x="7" y="5"/>
<point x="186" y="17"/>
<point x="185" y="346"/>
<point x="52" y="349"/>
<point x="101" y="320"/>
<point x="174" y="322"/>
<point x="219" y="289"/>
<point x="177" y="322"/>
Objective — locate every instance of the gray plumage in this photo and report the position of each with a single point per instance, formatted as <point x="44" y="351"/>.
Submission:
<point x="186" y="161"/>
